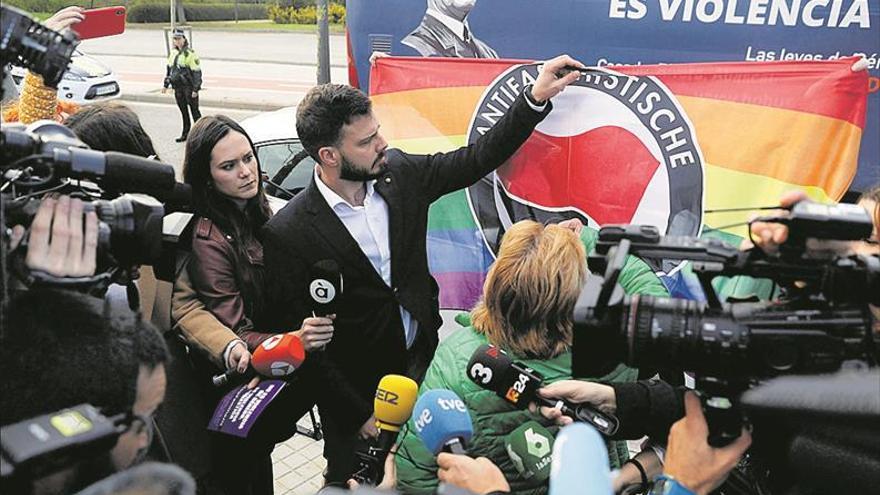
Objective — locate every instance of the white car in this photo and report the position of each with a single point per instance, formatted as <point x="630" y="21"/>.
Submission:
<point x="284" y="161"/>
<point x="87" y="80"/>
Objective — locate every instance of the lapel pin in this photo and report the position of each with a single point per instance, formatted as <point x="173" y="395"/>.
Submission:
<point x="388" y="180"/>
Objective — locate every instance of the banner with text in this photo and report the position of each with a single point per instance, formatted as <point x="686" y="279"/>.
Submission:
<point x="654" y="145"/>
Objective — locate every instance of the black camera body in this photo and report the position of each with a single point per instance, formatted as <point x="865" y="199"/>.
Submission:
<point x="121" y="188"/>
<point x="820" y="325"/>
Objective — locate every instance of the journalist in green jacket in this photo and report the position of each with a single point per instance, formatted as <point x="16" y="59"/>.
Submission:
<point x="527" y="310"/>
<point x="184" y="74"/>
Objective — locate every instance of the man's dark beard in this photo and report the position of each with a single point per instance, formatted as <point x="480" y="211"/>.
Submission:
<point x="349" y="172"/>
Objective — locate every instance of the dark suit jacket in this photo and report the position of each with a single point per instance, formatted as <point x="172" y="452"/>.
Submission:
<point x="432" y="38"/>
<point x="369" y="340"/>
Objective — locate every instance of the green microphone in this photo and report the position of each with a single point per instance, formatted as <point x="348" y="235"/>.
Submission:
<point x="530" y="448"/>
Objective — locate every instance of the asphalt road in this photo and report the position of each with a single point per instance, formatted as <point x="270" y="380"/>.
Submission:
<point x="162" y="123"/>
<point x="240" y="69"/>
<point x="242" y="46"/>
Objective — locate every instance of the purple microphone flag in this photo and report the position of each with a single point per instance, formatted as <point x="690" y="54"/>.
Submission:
<point x="239" y="409"/>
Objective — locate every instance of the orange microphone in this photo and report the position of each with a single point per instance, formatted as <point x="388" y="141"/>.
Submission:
<point x="277" y="356"/>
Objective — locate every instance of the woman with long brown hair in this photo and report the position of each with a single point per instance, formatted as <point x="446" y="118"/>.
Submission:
<point x="226" y="269"/>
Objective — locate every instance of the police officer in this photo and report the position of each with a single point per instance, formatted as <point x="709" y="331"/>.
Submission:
<point x="184" y="75"/>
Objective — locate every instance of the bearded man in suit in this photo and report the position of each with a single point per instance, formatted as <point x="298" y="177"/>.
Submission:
<point x="367" y="209"/>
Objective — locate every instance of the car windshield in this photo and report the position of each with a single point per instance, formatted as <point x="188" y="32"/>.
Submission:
<point x="286" y="162"/>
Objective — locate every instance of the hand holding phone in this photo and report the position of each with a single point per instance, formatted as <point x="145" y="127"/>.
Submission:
<point x="65" y="18"/>
<point x="106" y="21"/>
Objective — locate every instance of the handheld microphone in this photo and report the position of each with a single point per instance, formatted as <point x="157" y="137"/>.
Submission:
<point x="492" y="369"/>
<point x="530" y="447"/>
<point x="442" y="422"/>
<point x="393" y="405"/>
<point x="277" y="356"/>
<point x="580" y="462"/>
<point x="395" y="398"/>
<point x="326" y="287"/>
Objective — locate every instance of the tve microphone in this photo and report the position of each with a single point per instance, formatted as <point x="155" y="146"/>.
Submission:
<point x="393" y="405"/>
<point x="277" y="356"/>
<point x="442" y="422"/>
<point x="492" y="369"/>
<point x="530" y="447"/>
<point x="580" y="462"/>
<point x="325" y="287"/>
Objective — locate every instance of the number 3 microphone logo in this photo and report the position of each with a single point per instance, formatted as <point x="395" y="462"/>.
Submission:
<point x="322" y="291"/>
<point x="484" y="374"/>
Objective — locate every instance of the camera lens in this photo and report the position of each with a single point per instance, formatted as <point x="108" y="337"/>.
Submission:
<point x="661" y="331"/>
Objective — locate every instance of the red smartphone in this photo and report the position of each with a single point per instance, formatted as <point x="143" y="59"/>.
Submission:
<point x="105" y="21"/>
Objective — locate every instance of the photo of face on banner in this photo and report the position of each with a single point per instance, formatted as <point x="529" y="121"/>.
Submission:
<point x="445" y="32"/>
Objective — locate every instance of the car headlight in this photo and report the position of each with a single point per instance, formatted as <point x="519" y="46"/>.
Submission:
<point x="70" y="76"/>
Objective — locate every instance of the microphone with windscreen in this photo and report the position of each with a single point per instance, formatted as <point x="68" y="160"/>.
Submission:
<point x="276" y="357"/>
<point x="442" y="422"/>
<point x="580" y="462"/>
<point x="530" y="447"/>
<point x="393" y="406"/>
<point x="492" y="369"/>
<point x="325" y="288"/>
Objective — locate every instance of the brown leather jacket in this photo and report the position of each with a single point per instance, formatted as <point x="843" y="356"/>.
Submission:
<point x="233" y="293"/>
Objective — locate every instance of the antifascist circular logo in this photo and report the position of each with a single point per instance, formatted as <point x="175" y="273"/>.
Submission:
<point x="616" y="149"/>
<point x="322" y="291"/>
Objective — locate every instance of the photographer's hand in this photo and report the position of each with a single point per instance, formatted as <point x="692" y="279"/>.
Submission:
<point x="769" y="236"/>
<point x="689" y="457"/>
<point x="578" y="392"/>
<point x="58" y="244"/>
<point x="65" y="18"/>
<point x="478" y="475"/>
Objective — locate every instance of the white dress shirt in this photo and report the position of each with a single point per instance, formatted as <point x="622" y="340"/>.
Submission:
<point x="368" y="225"/>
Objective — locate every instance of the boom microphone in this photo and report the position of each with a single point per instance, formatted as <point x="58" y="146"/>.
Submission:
<point x="111" y="169"/>
<point x="277" y="356"/>
<point x="393" y="405"/>
<point x="580" y="462"/>
<point x="442" y="422"/>
<point x="326" y="287"/>
<point x="492" y="369"/>
<point x="530" y="447"/>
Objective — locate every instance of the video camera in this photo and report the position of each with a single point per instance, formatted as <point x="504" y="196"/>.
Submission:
<point x="124" y="190"/>
<point x="820" y="324"/>
<point x="47" y="157"/>
<point x="32" y="45"/>
<point x="38" y="446"/>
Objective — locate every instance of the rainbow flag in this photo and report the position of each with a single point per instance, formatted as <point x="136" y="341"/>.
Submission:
<point x="657" y="144"/>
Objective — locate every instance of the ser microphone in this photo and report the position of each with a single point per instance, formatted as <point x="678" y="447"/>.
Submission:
<point x="395" y="398"/>
<point x="492" y="369"/>
<point x="442" y="422"/>
<point x="393" y="405"/>
<point x="277" y="356"/>
<point x="325" y="287"/>
<point x="580" y="462"/>
<point x="530" y="447"/>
